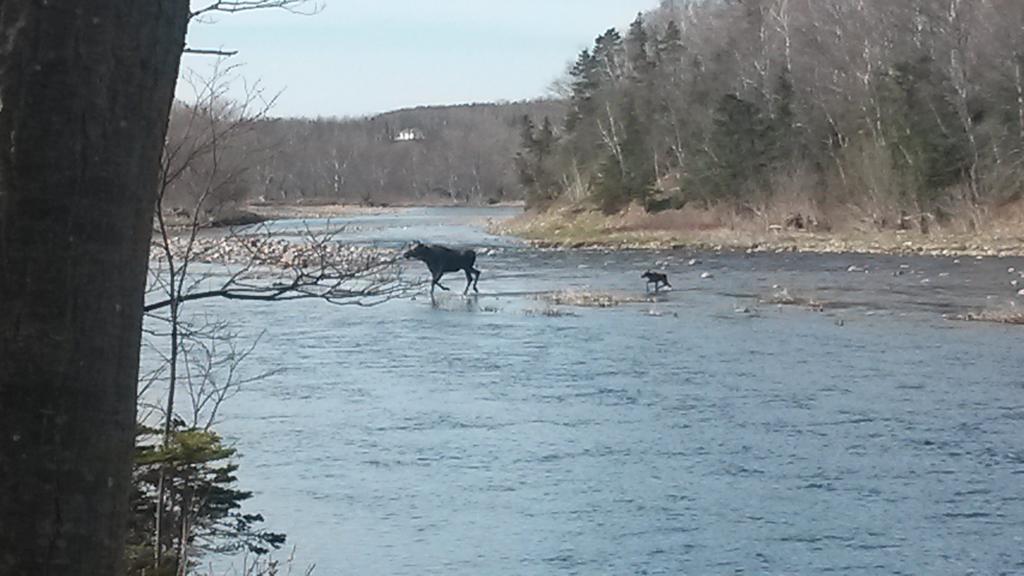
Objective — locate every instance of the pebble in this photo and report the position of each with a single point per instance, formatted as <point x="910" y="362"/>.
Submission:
<point x="693" y="262"/>
<point x="1011" y="270"/>
<point x="1020" y="292"/>
<point x="272" y="252"/>
<point x="706" y="275"/>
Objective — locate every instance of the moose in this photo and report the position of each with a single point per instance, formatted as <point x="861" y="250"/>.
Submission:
<point x="656" y="278"/>
<point x="440" y="259"/>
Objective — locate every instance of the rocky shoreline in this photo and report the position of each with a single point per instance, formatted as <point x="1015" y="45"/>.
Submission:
<point x="264" y="251"/>
<point x="554" y="231"/>
<point x="826" y="245"/>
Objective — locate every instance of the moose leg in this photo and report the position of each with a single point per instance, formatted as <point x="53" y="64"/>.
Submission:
<point x="476" y="278"/>
<point x="437" y="281"/>
<point x="469" y="280"/>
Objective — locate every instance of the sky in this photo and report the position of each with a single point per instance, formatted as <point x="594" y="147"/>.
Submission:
<point x="358" y="57"/>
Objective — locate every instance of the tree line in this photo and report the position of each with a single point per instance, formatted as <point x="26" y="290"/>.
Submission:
<point x="460" y="154"/>
<point x="898" y="112"/>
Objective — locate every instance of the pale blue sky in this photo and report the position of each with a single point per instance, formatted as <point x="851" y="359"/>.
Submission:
<point x="363" y="57"/>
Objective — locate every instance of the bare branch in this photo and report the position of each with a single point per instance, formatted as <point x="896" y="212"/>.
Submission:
<point x="303" y="7"/>
<point x="210" y="52"/>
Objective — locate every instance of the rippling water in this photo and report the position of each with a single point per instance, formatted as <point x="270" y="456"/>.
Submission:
<point x="705" y="433"/>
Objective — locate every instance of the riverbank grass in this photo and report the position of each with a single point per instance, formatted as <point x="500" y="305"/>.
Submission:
<point x="575" y="226"/>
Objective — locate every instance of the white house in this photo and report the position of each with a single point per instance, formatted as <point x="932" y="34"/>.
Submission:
<point x="409" y="135"/>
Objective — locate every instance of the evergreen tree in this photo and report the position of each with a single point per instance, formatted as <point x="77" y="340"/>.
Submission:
<point x="627" y="173"/>
<point x="637" y="159"/>
<point x="525" y="169"/>
<point x="584" y="84"/>
<point x="545" y="140"/>
<point x="203" y="512"/>
<point x="534" y="162"/>
<point x="784" y="135"/>
<point x="740" y="139"/>
<point x="608" y="56"/>
<point x="927" y="142"/>
<point x="610" y="189"/>
<point x="637" y="55"/>
<point x="670" y="50"/>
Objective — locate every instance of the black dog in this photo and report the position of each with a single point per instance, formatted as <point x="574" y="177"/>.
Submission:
<point x="656" y="278"/>
<point x="440" y="259"/>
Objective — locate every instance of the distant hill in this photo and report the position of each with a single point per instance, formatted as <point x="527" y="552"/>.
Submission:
<point x="219" y="159"/>
<point x="432" y="154"/>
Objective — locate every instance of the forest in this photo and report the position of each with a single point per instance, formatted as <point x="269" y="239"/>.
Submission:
<point x="235" y="153"/>
<point x="894" y="114"/>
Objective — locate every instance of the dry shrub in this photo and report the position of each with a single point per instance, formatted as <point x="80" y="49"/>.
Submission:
<point x="686" y="218"/>
<point x="873" y="185"/>
<point x="790" y="193"/>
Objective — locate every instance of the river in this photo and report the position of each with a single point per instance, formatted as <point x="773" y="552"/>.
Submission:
<point x="704" y="433"/>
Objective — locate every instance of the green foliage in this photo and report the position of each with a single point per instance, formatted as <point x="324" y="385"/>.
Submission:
<point x="584" y="83"/>
<point x="838" y="108"/>
<point x="637" y="159"/>
<point x="627" y="173"/>
<point x="202" y="501"/>
<point x="785" y="138"/>
<point x="608" y="56"/>
<point x="670" y="49"/>
<point x="925" y="136"/>
<point x="610" y="191"/>
<point x="533" y="162"/>
<point x="637" y="55"/>
<point x="741" y="144"/>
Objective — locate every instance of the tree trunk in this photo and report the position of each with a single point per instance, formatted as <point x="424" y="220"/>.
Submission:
<point x="85" y="91"/>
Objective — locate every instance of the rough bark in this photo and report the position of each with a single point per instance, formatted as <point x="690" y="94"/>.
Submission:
<point x="85" y="90"/>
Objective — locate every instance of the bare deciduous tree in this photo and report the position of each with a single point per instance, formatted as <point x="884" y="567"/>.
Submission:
<point x="203" y="358"/>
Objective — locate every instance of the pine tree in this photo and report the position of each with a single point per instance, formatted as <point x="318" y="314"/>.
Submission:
<point x="584" y="85"/>
<point x="784" y="136"/>
<point x="610" y="189"/>
<point x="637" y="160"/>
<point x="608" y="56"/>
<point x="640" y="62"/>
<point x="534" y="161"/>
<point x="740" y="139"/>
<point x="926" y="139"/>
<point x="203" y="513"/>
<point x="670" y="50"/>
